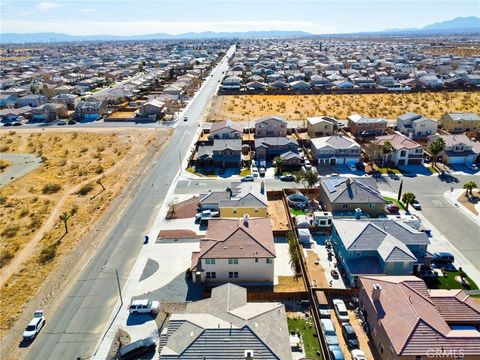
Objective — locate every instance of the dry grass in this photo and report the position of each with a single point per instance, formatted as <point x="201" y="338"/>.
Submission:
<point x="469" y="203"/>
<point x="299" y="107"/>
<point x="462" y="50"/>
<point x="71" y="159"/>
<point x="278" y="215"/>
<point x="289" y="284"/>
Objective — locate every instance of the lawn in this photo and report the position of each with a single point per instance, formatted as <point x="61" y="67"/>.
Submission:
<point x="245" y="172"/>
<point x="309" y="336"/>
<point x="296" y="212"/>
<point x="387" y="170"/>
<point x="399" y="204"/>
<point x="449" y="282"/>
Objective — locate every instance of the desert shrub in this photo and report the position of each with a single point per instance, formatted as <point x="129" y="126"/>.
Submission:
<point x="99" y="170"/>
<point x="85" y="189"/>
<point x="35" y="221"/>
<point x="83" y="149"/>
<point x="10" y="231"/>
<point x="62" y="162"/>
<point x="5" y="257"/>
<point x="3" y="200"/>
<point x="11" y="132"/>
<point x="24" y="212"/>
<point x="51" y="188"/>
<point x="4" y="149"/>
<point x="74" y="136"/>
<point x="47" y="254"/>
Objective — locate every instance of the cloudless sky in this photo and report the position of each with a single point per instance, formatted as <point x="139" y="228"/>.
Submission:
<point x="122" y="17"/>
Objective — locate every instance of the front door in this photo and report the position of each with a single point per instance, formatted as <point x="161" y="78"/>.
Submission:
<point x="333" y="161"/>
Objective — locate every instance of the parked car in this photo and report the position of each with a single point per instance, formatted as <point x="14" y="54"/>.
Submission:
<point x="287" y="178"/>
<point x="16" y="123"/>
<point x="352" y="167"/>
<point x="341" y="310"/>
<point x="248" y="178"/>
<point x="145" y="306"/>
<point x="335" y="352"/>
<point x="185" y="118"/>
<point x="416" y="205"/>
<point x="443" y="257"/>
<point x="71" y="122"/>
<point x="349" y="335"/>
<point x="329" y="332"/>
<point x="358" y="355"/>
<point x="323" y="308"/>
<point x="136" y="348"/>
<point x="473" y="167"/>
<point x="392" y="208"/>
<point x="308" y="165"/>
<point x="206" y="214"/>
<point x="34" y="326"/>
<point x="7" y="124"/>
<point x="261" y="171"/>
<point x="254" y="172"/>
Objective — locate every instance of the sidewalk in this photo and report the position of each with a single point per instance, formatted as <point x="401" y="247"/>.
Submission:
<point x="452" y="197"/>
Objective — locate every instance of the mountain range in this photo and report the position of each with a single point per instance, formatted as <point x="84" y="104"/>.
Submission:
<point x="458" y="25"/>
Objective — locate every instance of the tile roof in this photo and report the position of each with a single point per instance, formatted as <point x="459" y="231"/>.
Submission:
<point x="398" y="141"/>
<point x="226" y="124"/>
<point x="412" y="321"/>
<point x="335" y="141"/>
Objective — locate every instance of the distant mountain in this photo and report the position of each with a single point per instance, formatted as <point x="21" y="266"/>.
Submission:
<point x="471" y="22"/>
<point x="9" y="38"/>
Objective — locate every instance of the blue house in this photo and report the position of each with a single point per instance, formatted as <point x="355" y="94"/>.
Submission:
<point x="378" y="247"/>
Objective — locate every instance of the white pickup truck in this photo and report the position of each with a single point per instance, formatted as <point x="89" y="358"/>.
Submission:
<point x="144" y="306"/>
<point x="206" y="214"/>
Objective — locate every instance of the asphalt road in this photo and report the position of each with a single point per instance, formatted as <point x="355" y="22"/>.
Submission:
<point x="74" y="329"/>
<point x="460" y="230"/>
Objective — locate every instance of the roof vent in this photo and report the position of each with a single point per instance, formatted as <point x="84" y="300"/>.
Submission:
<point x="246" y="219"/>
<point x="376" y="290"/>
<point x="248" y="354"/>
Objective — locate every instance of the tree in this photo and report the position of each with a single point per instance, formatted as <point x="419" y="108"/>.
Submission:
<point x="307" y="178"/>
<point x="295" y="256"/>
<point x="387" y="148"/>
<point x="408" y="198"/>
<point x="279" y="163"/>
<point x="469" y="186"/>
<point x="64" y="217"/>
<point x="33" y="89"/>
<point x="436" y="147"/>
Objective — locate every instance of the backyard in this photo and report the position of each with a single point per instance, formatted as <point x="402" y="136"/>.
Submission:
<point x="251" y="107"/>
<point x="306" y="328"/>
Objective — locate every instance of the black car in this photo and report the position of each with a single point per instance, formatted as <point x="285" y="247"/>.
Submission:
<point x="287" y="178"/>
<point x="443" y="257"/>
<point x="135" y="349"/>
<point x="349" y="335"/>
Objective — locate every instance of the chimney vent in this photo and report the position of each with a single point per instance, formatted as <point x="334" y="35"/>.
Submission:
<point x="246" y="219"/>
<point x="376" y="290"/>
<point x="248" y="354"/>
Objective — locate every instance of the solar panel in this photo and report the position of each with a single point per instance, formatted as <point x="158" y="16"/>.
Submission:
<point x="331" y="185"/>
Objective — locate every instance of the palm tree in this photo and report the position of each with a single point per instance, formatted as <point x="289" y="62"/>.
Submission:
<point x="469" y="186"/>
<point x="279" y="163"/>
<point x="408" y="198"/>
<point x="387" y="148"/>
<point x="64" y="217"/>
<point x="436" y="147"/>
<point x="307" y="178"/>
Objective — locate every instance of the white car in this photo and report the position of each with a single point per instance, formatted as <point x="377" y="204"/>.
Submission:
<point x="358" y="355"/>
<point x="206" y="214"/>
<point x="308" y="165"/>
<point x="472" y="166"/>
<point x="34" y="326"/>
<point x="255" y="172"/>
<point x="144" y="306"/>
<point x="341" y="310"/>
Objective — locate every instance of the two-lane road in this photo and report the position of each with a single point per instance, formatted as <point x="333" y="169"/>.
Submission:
<point x="75" y="327"/>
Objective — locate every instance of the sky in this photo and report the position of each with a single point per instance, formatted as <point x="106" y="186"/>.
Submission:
<point x="122" y="17"/>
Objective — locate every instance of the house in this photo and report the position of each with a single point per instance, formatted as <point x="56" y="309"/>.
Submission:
<point x="235" y="250"/>
<point x="434" y="323"/>
<point x="269" y="147"/>
<point x="32" y="100"/>
<point x="431" y="81"/>
<point x="224" y="153"/>
<point x="366" y="126"/>
<point x="13" y="114"/>
<point x="50" y="112"/>
<point x="335" y="150"/>
<point x="417" y="125"/>
<point x="232" y="83"/>
<point x="405" y="151"/>
<point x="226" y="326"/>
<point x="459" y="149"/>
<point x="321" y="126"/>
<point x="457" y="123"/>
<point x="345" y="195"/>
<point x="225" y="129"/>
<point x="291" y="160"/>
<point x="240" y="199"/>
<point x="152" y="110"/>
<point x="270" y="126"/>
<point x="299" y="85"/>
<point x="378" y="247"/>
<point x="7" y="100"/>
<point x="256" y="85"/>
<point x="318" y="81"/>
<point x="71" y="100"/>
<point x="90" y="109"/>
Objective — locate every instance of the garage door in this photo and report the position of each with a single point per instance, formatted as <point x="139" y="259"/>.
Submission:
<point x="415" y="162"/>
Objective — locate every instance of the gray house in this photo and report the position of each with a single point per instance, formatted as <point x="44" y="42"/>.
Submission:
<point x="270" y="126"/>
<point x="269" y="147"/>
<point x="224" y="153"/>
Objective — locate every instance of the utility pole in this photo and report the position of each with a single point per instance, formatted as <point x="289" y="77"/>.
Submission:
<point x="119" y="288"/>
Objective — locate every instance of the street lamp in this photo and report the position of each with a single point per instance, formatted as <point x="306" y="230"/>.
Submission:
<point x="118" y="282"/>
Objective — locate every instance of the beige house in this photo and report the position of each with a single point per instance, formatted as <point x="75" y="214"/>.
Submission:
<point x="321" y="126"/>
<point x="460" y="122"/>
<point x="270" y="126"/>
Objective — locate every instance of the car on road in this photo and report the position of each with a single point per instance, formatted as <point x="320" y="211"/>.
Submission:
<point x="349" y="335"/>
<point x="352" y="167"/>
<point x="185" y="118"/>
<point x="416" y="205"/>
<point x="328" y="330"/>
<point x="472" y="166"/>
<point x="61" y="122"/>
<point x="34" y="327"/>
<point x="248" y="178"/>
<point x="206" y="214"/>
<point x="308" y="165"/>
<point x="392" y="208"/>
<point x="341" y="310"/>
<point x="144" y="306"/>
<point x="137" y="348"/>
<point x="443" y="257"/>
<point x="335" y="352"/>
<point x="16" y="123"/>
<point x="358" y="355"/>
<point x="287" y="178"/>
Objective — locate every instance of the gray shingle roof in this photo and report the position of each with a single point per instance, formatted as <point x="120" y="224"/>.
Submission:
<point x="340" y="191"/>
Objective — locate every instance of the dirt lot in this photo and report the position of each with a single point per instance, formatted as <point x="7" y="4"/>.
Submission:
<point x="299" y="107"/>
<point x="316" y="272"/>
<point x="469" y="203"/>
<point x="33" y="241"/>
<point x="278" y="215"/>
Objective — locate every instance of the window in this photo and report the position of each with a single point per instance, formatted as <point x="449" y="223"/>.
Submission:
<point x="234" y="211"/>
<point x="403" y="153"/>
<point x="211" y="275"/>
<point x="269" y="261"/>
<point x="371" y="206"/>
<point x="233" y="274"/>
<point x="345" y="206"/>
<point x="256" y="260"/>
<point x="233" y="261"/>
<point x="210" y="261"/>
<point x="418" y="357"/>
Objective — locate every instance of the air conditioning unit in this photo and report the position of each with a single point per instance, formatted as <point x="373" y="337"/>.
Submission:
<point x="248" y="354"/>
